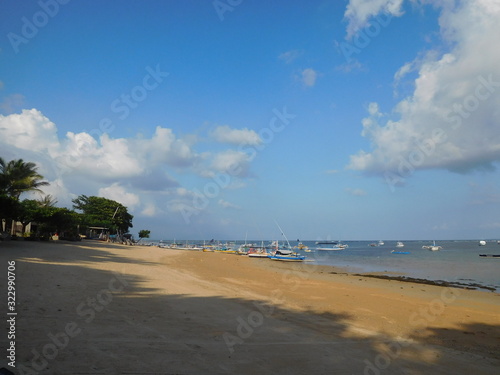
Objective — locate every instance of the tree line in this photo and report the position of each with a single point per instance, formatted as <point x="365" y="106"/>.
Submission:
<point x="18" y="177"/>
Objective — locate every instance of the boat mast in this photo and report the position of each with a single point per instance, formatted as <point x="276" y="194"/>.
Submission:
<point x="283" y="234"/>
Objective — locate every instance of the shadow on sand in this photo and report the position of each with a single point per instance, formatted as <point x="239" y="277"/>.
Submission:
<point x="77" y="319"/>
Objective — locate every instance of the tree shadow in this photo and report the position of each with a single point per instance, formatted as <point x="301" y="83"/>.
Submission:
<point x="75" y="319"/>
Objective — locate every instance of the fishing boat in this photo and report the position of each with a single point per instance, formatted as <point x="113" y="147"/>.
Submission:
<point x="258" y="252"/>
<point x="331" y="248"/>
<point x="294" y="257"/>
<point x="284" y="253"/>
<point x="432" y="247"/>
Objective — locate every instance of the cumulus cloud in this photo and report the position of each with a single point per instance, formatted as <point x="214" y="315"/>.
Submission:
<point x="451" y="118"/>
<point x="118" y="193"/>
<point x="165" y="147"/>
<point x="308" y="77"/>
<point x="233" y="162"/>
<point x="136" y="171"/>
<point x="225" y="134"/>
<point x="359" y="12"/>
<point x="29" y="130"/>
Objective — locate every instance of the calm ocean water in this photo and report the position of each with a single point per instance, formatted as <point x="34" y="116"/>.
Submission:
<point x="457" y="261"/>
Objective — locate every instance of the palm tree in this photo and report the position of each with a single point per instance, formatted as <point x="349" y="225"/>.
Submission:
<point x="47" y="201"/>
<point x="17" y="177"/>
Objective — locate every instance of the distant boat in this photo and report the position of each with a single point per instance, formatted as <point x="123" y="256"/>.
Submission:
<point x="337" y="246"/>
<point x="490" y="255"/>
<point x="258" y="252"/>
<point x="432" y="247"/>
<point x="482" y="243"/>
<point x="399" y="252"/>
<point x="327" y="242"/>
<point x="380" y="243"/>
<point x="400" y="244"/>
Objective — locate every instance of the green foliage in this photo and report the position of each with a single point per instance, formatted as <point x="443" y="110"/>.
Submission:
<point x="103" y="212"/>
<point x="144" y="233"/>
<point x="17" y="177"/>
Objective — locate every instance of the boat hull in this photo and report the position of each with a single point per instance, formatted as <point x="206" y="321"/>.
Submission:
<point x="288" y="258"/>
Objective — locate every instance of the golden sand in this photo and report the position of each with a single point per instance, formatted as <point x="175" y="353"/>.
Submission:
<point x="97" y="308"/>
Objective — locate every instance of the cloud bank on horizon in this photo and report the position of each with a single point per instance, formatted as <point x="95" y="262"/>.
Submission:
<point x="125" y="163"/>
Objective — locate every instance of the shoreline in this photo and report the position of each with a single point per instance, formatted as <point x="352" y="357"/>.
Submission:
<point x="385" y="275"/>
<point x="192" y="312"/>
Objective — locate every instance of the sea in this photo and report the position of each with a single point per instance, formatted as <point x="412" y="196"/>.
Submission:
<point x="456" y="262"/>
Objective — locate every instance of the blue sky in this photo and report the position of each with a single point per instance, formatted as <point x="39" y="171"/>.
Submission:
<point x="211" y="119"/>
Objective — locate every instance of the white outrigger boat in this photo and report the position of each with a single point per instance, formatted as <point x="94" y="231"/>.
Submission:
<point x="432" y="247"/>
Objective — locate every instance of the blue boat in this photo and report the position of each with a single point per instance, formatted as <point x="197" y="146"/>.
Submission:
<point x="288" y="258"/>
<point x="400" y="252"/>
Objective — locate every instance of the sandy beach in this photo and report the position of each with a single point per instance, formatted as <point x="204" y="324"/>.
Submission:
<point x="95" y="308"/>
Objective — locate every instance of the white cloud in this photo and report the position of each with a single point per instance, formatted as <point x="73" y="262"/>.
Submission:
<point x="231" y="161"/>
<point x="164" y="147"/>
<point x="308" y="77"/>
<point x="29" y="130"/>
<point x="149" y="210"/>
<point x="290" y="56"/>
<point x="227" y="204"/>
<point x="225" y="134"/>
<point x="118" y="193"/>
<point x="359" y="12"/>
<point x="451" y="118"/>
<point x="124" y="169"/>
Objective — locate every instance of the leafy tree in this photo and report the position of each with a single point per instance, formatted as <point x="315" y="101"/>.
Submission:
<point x="103" y="212"/>
<point x="17" y="177"/>
<point x="144" y="233"/>
<point x="58" y="220"/>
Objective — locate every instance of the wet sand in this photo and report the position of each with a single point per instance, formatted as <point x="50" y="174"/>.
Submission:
<point x="96" y="308"/>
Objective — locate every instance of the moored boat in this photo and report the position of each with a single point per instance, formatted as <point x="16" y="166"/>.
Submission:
<point x="432" y="247"/>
